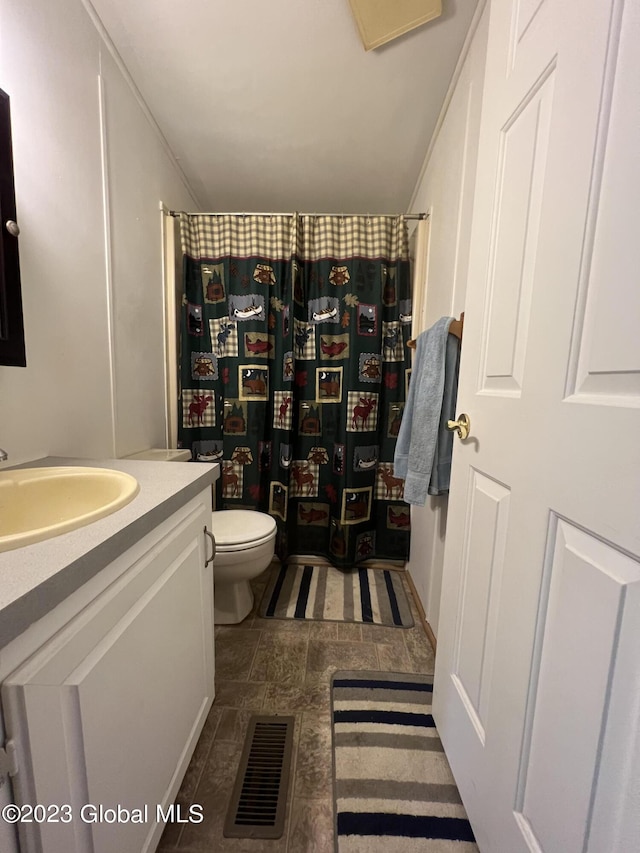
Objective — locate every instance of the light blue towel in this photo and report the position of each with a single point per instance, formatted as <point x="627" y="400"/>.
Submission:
<point x="415" y="448"/>
<point x="441" y="470"/>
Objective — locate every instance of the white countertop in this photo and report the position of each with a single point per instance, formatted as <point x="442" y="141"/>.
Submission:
<point x="35" y="578"/>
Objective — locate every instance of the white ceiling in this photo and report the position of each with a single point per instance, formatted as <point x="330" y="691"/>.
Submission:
<point x="273" y="105"/>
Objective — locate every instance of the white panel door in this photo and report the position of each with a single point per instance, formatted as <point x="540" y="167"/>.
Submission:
<point x="537" y="690"/>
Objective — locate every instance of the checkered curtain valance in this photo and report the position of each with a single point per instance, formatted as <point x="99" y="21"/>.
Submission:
<point x="308" y="237"/>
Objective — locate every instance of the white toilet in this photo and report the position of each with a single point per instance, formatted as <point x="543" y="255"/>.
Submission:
<point x="245" y="542"/>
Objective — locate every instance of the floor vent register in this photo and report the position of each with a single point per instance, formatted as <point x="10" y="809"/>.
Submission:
<point x="259" y="798"/>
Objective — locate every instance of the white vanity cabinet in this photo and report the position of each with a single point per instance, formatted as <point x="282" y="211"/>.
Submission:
<point x="106" y="711"/>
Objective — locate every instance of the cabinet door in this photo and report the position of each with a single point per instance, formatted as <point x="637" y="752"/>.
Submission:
<point x="108" y="712"/>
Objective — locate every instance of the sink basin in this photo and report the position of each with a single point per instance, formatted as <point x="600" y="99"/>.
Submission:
<point x="38" y="503"/>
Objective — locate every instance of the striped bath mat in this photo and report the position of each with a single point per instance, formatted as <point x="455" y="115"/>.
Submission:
<point x="374" y="596"/>
<point x="394" y="792"/>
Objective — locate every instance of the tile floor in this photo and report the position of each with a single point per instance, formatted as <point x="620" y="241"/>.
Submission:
<point x="283" y="666"/>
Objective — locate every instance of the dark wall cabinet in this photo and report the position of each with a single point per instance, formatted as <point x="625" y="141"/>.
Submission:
<point x="12" y="351"/>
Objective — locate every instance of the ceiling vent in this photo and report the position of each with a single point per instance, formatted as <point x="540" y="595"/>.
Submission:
<point x="380" y="21"/>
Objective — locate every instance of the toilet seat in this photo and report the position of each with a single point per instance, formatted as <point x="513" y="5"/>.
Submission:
<point x="239" y="529"/>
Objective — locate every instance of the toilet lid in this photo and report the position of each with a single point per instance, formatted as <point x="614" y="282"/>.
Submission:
<point x="234" y="529"/>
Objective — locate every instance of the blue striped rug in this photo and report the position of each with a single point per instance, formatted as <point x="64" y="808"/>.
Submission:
<point x="393" y="789"/>
<point x="373" y="596"/>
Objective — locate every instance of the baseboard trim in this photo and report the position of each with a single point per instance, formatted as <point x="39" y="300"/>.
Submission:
<point x="423" y="617"/>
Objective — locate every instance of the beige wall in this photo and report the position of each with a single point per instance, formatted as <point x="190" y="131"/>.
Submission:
<point x="90" y="171"/>
<point x="445" y="190"/>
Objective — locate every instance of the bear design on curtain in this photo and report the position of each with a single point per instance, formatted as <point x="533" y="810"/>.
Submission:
<point x="294" y="376"/>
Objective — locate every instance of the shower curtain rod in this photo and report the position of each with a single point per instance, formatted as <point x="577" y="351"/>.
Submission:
<point x="244" y="213"/>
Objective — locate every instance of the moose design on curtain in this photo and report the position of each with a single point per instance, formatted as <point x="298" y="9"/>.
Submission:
<point x="293" y="374"/>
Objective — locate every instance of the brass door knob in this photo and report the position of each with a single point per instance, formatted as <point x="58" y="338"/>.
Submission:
<point x="462" y="425"/>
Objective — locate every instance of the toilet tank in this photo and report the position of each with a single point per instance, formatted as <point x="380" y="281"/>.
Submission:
<point x="158" y="454"/>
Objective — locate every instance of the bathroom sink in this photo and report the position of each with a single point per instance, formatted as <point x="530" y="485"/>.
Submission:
<point x="38" y="503"/>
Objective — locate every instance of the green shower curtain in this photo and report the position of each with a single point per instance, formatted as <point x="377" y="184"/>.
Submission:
<point x="294" y="374"/>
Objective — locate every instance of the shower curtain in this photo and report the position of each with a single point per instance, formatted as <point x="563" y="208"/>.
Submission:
<point x="293" y="374"/>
